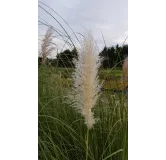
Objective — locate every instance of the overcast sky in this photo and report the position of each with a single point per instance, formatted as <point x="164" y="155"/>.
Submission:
<point x="108" y="16"/>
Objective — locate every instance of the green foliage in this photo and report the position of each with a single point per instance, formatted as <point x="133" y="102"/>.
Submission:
<point x="62" y="130"/>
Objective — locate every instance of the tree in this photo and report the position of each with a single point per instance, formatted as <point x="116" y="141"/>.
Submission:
<point x="113" y="56"/>
<point x="125" y="51"/>
<point x="65" y="58"/>
<point x="104" y="54"/>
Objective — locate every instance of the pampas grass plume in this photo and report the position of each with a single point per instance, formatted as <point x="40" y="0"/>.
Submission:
<point x="46" y="46"/>
<point x="86" y="83"/>
<point x="125" y="69"/>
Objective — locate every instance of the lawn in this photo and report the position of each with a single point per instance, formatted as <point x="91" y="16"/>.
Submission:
<point x="112" y="78"/>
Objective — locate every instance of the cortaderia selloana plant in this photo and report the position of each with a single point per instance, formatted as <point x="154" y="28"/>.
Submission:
<point x="86" y="88"/>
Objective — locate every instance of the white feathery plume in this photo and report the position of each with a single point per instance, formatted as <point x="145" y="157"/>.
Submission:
<point x="86" y="84"/>
<point x="124" y="77"/>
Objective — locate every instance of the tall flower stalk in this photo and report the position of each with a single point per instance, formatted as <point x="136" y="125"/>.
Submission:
<point x="86" y="83"/>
